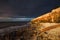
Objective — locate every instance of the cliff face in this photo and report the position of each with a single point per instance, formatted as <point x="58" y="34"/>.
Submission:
<point x="49" y="19"/>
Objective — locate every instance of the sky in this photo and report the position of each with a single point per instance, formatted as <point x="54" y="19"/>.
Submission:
<point x="26" y="8"/>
